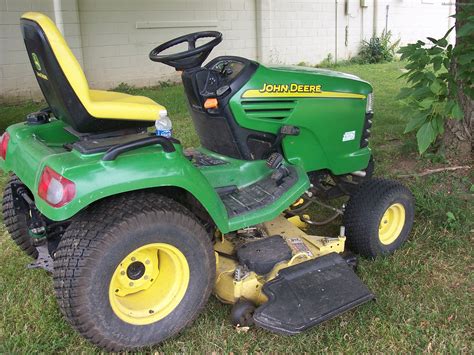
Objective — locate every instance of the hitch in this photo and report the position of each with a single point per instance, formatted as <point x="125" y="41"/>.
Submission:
<point x="36" y="223"/>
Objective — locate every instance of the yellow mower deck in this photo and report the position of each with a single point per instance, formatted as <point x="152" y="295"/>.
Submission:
<point x="304" y="247"/>
<point x="309" y="285"/>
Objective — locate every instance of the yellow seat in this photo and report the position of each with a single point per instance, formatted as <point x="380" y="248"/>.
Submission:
<point x="110" y="104"/>
<point x="65" y="86"/>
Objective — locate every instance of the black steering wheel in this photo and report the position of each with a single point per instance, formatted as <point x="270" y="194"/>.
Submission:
<point x="191" y="58"/>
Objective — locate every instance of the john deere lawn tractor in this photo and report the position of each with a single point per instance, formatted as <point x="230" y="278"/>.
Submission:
<point x="138" y="232"/>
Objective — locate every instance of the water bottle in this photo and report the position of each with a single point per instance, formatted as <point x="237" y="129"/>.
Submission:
<point x="163" y="125"/>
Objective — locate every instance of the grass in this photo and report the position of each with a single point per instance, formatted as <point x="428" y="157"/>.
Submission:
<point x="424" y="291"/>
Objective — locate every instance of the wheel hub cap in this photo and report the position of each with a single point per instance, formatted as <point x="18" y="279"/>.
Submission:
<point x="149" y="283"/>
<point x="392" y="223"/>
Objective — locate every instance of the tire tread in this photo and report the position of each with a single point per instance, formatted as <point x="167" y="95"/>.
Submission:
<point x="361" y="213"/>
<point x="86" y="234"/>
<point x="15" y="223"/>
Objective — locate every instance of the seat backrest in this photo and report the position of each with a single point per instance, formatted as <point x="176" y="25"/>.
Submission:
<point x="59" y="74"/>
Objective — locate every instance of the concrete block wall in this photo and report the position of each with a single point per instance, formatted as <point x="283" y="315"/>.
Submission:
<point x="411" y="20"/>
<point x="17" y="81"/>
<point x="117" y="38"/>
<point x="296" y="31"/>
<point x="112" y="38"/>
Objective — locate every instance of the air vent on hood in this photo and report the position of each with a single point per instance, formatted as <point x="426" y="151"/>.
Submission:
<point x="268" y="109"/>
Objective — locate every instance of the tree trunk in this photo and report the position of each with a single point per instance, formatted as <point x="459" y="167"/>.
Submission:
<point x="457" y="138"/>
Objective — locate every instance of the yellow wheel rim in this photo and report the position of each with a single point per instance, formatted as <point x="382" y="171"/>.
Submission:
<point x="149" y="283"/>
<point x="392" y="223"/>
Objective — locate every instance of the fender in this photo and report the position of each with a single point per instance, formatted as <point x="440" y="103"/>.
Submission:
<point x="95" y="179"/>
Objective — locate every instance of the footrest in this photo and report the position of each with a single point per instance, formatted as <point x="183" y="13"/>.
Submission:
<point x="258" y="195"/>
<point x="310" y="293"/>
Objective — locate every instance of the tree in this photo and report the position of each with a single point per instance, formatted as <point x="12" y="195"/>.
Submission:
<point x="457" y="138"/>
<point x="439" y="98"/>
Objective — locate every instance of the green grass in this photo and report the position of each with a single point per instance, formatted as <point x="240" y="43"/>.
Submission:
<point x="423" y="291"/>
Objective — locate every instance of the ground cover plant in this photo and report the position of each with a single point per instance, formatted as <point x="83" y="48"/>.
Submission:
<point x="423" y="291"/>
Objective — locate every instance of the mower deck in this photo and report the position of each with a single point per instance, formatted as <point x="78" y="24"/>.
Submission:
<point x="310" y="293"/>
<point x="295" y="280"/>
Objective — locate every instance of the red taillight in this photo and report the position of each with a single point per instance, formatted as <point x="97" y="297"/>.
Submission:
<point x="4" y="145"/>
<point x="55" y="189"/>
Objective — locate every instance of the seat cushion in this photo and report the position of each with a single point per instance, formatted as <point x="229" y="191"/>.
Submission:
<point x="119" y="106"/>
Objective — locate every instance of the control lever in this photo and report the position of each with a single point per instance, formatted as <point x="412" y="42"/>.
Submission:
<point x="225" y="70"/>
<point x="282" y="133"/>
<point x="275" y="162"/>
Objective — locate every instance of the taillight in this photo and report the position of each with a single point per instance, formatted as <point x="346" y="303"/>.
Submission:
<point x="4" y="145"/>
<point x="55" y="189"/>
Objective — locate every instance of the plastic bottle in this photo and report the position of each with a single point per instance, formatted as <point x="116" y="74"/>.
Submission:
<point x="163" y="125"/>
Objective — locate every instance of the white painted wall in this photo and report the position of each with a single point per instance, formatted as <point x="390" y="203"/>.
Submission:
<point x="112" y="38"/>
<point x="17" y="81"/>
<point x="115" y="50"/>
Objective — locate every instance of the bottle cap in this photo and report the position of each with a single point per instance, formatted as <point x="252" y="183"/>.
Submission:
<point x="163" y="113"/>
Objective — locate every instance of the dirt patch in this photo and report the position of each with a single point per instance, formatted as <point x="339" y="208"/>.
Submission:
<point x="404" y="165"/>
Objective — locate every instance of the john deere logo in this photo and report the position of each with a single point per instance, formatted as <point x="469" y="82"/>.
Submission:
<point x="36" y="61"/>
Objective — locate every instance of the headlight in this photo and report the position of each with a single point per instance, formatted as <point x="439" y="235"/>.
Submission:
<point x="370" y="103"/>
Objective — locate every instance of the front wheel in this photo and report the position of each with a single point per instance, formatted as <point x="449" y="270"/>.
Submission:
<point x="133" y="271"/>
<point x="378" y="217"/>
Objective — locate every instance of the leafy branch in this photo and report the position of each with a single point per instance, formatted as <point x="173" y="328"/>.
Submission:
<point x="433" y="72"/>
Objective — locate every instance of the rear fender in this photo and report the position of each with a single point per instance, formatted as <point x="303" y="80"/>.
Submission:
<point x="136" y="170"/>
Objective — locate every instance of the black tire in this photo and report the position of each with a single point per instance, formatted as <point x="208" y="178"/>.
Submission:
<point x="96" y="242"/>
<point x="364" y="211"/>
<point x="16" y="220"/>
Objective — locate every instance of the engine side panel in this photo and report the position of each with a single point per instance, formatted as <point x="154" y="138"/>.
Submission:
<point x="328" y="108"/>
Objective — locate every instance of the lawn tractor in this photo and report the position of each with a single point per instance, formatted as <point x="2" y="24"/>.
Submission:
<point x="138" y="232"/>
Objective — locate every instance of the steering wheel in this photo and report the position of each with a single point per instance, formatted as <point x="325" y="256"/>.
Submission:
<point x="191" y="58"/>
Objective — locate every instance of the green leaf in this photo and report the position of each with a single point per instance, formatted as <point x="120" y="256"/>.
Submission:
<point x="437" y="62"/>
<point x="404" y="93"/>
<point x="415" y="122"/>
<point x="465" y="58"/>
<point x="420" y="92"/>
<point x="449" y="107"/>
<point x="430" y="76"/>
<point x="448" y="32"/>
<point x="435" y="50"/>
<point x="436" y="87"/>
<point x="440" y="124"/>
<point x="426" y="103"/>
<point x="442" y="42"/>
<point x="415" y="77"/>
<point x="466" y="30"/>
<point x="425" y="136"/>
<point x="446" y="63"/>
<point x="451" y="216"/>
<point x="435" y="41"/>
<point x="456" y="112"/>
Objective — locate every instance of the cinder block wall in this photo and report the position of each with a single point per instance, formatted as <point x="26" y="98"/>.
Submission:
<point x="116" y="43"/>
<point x="17" y="81"/>
<point x="112" y="38"/>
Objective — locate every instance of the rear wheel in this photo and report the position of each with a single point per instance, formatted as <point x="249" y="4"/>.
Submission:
<point x="15" y="218"/>
<point x="133" y="270"/>
<point x="378" y="217"/>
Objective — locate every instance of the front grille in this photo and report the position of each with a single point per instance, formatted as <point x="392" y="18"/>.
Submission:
<point x="364" y="140"/>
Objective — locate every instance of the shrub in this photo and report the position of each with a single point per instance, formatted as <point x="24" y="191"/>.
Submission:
<point x="433" y="72"/>
<point x="378" y="49"/>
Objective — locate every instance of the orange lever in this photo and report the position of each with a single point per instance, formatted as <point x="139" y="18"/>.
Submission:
<point x="210" y="103"/>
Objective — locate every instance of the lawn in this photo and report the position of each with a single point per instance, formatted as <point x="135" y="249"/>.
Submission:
<point x="424" y="291"/>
